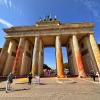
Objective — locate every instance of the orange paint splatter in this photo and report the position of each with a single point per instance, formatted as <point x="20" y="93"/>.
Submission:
<point x="16" y="60"/>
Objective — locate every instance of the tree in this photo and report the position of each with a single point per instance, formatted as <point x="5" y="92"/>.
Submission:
<point x="66" y="66"/>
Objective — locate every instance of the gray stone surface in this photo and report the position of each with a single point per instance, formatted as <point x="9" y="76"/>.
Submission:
<point x="52" y="89"/>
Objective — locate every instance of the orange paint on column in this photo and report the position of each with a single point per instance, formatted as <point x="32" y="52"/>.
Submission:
<point x="80" y="64"/>
<point x="15" y="69"/>
<point x="60" y="66"/>
<point x="78" y="57"/>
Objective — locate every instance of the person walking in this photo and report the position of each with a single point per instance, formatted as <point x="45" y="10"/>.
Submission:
<point x="9" y="82"/>
<point x="93" y="76"/>
<point x="30" y="78"/>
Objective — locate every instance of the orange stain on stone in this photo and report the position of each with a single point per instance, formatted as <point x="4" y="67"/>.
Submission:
<point x="60" y="66"/>
<point x="16" y="61"/>
<point x="80" y="64"/>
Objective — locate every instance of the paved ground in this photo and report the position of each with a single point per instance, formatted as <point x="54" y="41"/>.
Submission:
<point x="52" y="89"/>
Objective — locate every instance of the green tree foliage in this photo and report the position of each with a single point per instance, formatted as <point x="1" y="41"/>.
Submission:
<point x="66" y="66"/>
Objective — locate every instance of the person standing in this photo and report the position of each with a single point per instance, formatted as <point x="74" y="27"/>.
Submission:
<point x="93" y="75"/>
<point x="37" y="79"/>
<point x="9" y="81"/>
<point x="30" y="78"/>
<point x="98" y="76"/>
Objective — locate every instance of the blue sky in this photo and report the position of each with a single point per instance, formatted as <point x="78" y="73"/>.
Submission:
<point x="27" y="12"/>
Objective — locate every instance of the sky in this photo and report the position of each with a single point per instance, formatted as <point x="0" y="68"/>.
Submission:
<point x="27" y="12"/>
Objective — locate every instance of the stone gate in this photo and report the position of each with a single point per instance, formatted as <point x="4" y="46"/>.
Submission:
<point x="23" y="50"/>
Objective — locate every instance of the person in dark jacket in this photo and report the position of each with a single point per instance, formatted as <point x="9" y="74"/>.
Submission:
<point x="30" y="78"/>
<point x="9" y="81"/>
<point x="93" y="75"/>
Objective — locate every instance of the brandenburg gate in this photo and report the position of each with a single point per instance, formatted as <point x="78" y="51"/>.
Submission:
<point x="23" y="50"/>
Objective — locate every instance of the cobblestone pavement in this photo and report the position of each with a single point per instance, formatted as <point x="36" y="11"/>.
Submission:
<point x="52" y="89"/>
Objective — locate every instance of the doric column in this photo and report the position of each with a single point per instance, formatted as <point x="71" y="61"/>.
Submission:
<point x="18" y="59"/>
<point x="95" y="50"/>
<point x="40" y="63"/>
<point x="10" y="59"/>
<point x="90" y="64"/>
<point x="78" y="57"/>
<point x="59" y="58"/>
<point x="26" y="59"/>
<point x="35" y="56"/>
<point x="3" y="55"/>
<point x="72" y="58"/>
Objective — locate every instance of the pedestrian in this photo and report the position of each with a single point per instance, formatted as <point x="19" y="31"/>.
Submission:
<point x="30" y="78"/>
<point x="37" y="79"/>
<point x="97" y="74"/>
<point x="9" y="82"/>
<point x="93" y="76"/>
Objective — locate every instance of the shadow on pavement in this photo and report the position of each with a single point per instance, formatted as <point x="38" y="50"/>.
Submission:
<point x="74" y="82"/>
<point x="40" y="83"/>
<point x="12" y="90"/>
<point x="21" y="83"/>
<point x="32" y="83"/>
<point x="24" y="89"/>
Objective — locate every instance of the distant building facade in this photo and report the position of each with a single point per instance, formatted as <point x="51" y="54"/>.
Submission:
<point x="23" y="48"/>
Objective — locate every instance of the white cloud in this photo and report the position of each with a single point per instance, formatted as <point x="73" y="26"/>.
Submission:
<point x="4" y="22"/>
<point x="92" y="6"/>
<point x="6" y="3"/>
<point x="10" y="3"/>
